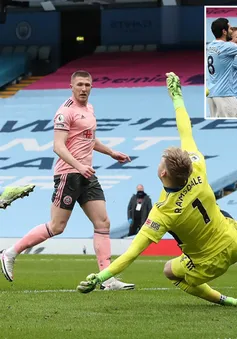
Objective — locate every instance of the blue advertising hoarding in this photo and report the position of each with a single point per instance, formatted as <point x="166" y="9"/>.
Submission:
<point x="37" y="28"/>
<point x="165" y="25"/>
<point x="130" y="26"/>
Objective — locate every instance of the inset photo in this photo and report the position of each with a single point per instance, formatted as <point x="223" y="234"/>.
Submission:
<point x="220" y="62"/>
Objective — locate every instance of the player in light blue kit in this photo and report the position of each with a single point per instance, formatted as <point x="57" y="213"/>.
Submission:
<point x="234" y="70"/>
<point x="220" y="56"/>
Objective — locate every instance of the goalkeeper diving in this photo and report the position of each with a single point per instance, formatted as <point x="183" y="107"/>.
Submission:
<point x="187" y="209"/>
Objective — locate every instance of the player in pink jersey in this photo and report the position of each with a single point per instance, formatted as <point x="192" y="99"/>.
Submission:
<point x="75" y="180"/>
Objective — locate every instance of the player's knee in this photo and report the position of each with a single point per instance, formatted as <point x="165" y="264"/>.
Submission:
<point x="57" y="227"/>
<point x="168" y="270"/>
<point x="103" y="223"/>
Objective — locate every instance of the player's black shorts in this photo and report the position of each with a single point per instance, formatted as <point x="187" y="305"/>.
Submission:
<point x="72" y="187"/>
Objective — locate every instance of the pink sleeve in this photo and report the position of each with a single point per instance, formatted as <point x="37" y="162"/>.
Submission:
<point x="63" y="119"/>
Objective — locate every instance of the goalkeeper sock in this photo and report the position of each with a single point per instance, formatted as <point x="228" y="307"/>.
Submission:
<point x="203" y="291"/>
<point x="104" y="275"/>
<point x="228" y="301"/>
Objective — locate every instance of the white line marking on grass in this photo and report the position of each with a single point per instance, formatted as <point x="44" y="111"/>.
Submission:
<point x="89" y="259"/>
<point x="75" y="291"/>
<point x="157" y="289"/>
<point x="38" y="291"/>
<point x="177" y="289"/>
<point x="49" y="291"/>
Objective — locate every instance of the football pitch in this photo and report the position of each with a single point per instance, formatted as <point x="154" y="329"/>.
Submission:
<point x="42" y="303"/>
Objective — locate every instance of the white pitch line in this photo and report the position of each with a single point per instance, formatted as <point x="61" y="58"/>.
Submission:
<point x="85" y="260"/>
<point x="39" y="291"/>
<point x="75" y="291"/>
<point x="176" y="289"/>
<point x="157" y="289"/>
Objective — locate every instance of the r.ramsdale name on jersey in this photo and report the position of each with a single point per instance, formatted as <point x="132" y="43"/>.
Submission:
<point x="194" y="182"/>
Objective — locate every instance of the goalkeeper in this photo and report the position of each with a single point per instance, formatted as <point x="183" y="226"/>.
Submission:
<point x="187" y="209"/>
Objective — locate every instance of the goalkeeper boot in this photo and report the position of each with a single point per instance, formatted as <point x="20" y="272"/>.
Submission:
<point x="113" y="284"/>
<point x="13" y="193"/>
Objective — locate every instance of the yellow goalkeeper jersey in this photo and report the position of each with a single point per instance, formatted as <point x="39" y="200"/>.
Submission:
<point x="190" y="214"/>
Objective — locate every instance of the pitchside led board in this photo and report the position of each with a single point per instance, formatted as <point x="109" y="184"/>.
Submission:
<point x="212" y="13"/>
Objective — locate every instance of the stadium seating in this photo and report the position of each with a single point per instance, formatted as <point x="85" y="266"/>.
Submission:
<point x="113" y="48"/>
<point x="7" y="50"/>
<point x="32" y="51"/>
<point x="12" y="67"/>
<point x="19" y="49"/>
<point x="126" y="48"/>
<point x="44" y="53"/>
<point x="38" y="61"/>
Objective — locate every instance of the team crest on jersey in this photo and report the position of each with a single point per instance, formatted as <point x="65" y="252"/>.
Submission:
<point x="89" y="134"/>
<point x="152" y="224"/>
<point x="194" y="157"/>
<point x="60" y="118"/>
<point x="67" y="200"/>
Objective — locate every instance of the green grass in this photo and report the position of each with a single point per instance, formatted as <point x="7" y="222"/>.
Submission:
<point x="146" y="313"/>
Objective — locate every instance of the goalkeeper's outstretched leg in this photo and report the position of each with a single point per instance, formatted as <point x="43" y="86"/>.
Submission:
<point x="177" y="270"/>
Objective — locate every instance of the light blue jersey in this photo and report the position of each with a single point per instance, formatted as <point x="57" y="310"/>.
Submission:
<point x="234" y="75"/>
<point x="220" y="57"/>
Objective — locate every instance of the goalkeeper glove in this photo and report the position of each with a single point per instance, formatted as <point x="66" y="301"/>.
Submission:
<point x="173" y="85"/>
<point x="90" y="284"/>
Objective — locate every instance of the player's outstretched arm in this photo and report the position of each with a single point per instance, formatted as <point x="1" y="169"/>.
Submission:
<point x="101" y="148"/>
<point x="139" y="244"/>
<point x="182" y="118"/>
